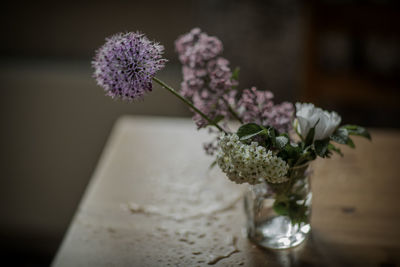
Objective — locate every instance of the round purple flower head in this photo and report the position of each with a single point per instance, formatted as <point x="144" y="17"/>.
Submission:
<point x="125" y="65"/>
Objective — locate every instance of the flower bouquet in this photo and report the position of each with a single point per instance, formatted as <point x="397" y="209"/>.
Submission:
<point x="270" y="150"/>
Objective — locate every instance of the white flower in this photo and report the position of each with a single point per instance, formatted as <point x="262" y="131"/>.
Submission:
<point x="308" y="115"/>
<point x="248" y="163"/>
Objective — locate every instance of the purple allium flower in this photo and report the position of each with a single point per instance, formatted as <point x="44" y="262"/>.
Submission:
<point x="126" y="63"/>
<point x="257" y="106"/>
<point x="207" y="78"/>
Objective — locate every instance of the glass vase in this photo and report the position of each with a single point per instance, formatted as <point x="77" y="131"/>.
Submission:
<point x="278" y="215"/>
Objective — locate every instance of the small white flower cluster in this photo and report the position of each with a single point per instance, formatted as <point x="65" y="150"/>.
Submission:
<point x="248" y="163"/>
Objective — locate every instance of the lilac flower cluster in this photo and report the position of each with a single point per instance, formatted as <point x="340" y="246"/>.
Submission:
<point x="125" y="65"/>
<point x="208" y="83"/>
<point x="207" y="78"/>
<point x="196" y="48"/>
<point x="258" y="107"/>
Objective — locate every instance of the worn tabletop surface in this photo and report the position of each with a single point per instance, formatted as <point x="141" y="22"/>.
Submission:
<point x="152" y="201"/>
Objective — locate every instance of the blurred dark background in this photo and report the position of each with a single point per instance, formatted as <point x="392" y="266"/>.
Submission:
<point x="341" y="55"/>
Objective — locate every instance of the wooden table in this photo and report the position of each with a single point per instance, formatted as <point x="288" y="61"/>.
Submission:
<point x="153" y="201"/>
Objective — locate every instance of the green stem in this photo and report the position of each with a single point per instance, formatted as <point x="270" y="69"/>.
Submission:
<point x="291" y="177"/>
<point x="187" y="102"/>
<point x="235" y="115"/>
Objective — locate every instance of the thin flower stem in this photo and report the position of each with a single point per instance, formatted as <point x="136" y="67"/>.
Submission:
<point x="233" y="112"/>
<point x="187" y="102"/>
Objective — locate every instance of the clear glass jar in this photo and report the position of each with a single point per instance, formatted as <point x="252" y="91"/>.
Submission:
<point x="278" y="215"/>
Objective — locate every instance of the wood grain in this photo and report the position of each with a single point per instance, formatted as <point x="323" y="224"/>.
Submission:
<point x="152" y="201"/>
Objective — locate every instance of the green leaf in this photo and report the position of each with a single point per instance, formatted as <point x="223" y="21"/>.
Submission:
<point x="251" y="135"/>
<point x="212" y="165"/>
<point x="297" y="213"/>
<point x="335" y="149"/>
<point x="357" y="130"/>
<point x="249" y="130"/>
<point x="306" y="156"/>
<point x="287" y="206"/>
<point x="281" y="141"/>
<point x="290" y="153"/>
<point x="281" y="208"/>
<point x="321" y="148"/>
<point x="350" y="143"/>
<point x="341" y="136"/>
<point x="271" y="133"/>
<point x="235" y="74"/>
<point x="310" y="135"/>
